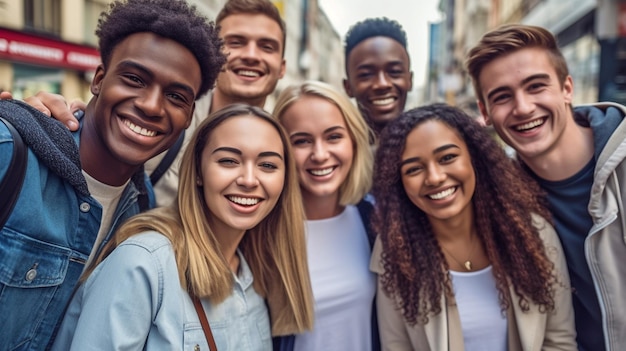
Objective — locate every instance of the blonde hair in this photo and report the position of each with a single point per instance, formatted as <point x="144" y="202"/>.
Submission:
<point x="274" y="249"/>
<point x="359" y="179"/>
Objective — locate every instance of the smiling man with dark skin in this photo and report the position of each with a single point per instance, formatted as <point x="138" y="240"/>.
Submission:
<point x="80" y="186"/>
<point x="254" y="39"/>
<point x="378" y="69"/>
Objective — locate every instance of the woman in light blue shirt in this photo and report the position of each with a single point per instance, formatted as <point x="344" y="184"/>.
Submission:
<point x="235" y="239"/>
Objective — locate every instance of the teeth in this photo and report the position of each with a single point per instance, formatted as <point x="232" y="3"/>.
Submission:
<point x="529" y="125"/>
<point x="248" y="73"/>
<point x="382" y="102"/>
<point x="443" y="194"/>
<point x="246" y="201"/>
<point x="321" y="172"/>
<point x="139" y="130"/>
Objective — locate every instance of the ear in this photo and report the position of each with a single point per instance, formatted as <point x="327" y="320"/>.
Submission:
<point x="283" y="69"/>
<point x="568" y="89"/>
<point x="193" y="109"/>
<point x="483" y="112"/>
<point x="410" y="81"/>
<point x="96" y="82"/>
<point x="346" y="87"/>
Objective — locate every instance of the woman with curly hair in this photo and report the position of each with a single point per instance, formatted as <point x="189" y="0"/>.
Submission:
<point x="466" y="257"/>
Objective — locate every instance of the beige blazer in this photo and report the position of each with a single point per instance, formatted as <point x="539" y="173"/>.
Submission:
<point x="527" y="331"/>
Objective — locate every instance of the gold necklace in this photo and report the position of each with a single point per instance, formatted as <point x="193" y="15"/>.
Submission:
<point x="468" y="263"/>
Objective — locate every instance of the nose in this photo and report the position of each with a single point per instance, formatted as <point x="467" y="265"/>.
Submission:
<point x="524" y="105"/>
<point x="248" y="177"/>
<point x="250" y="52"/>
<point x="382" y="81"/>
<point x="319" y="152"/>
<point x="434" y="176"/>
<point x="150" y="102"/>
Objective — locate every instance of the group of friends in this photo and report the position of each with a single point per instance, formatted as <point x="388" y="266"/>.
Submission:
<point x="172" y="196"/>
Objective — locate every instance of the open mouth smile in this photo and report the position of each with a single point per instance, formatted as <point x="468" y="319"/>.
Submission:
<point x="321" y="172"/>
<point x="530" y="125"/>
<point x="383" y="102"/>
<point x="244" y="201"/>
<point x="139" y="130"/>
<point x="442" y="194"/>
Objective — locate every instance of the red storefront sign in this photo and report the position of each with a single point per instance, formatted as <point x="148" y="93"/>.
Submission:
<point x="621" y="19"/>
<point x="21" y="47"/>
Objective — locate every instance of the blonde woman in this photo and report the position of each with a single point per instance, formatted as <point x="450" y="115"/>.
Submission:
<point x="234" y="239"/>
<point x="331" y="147"/>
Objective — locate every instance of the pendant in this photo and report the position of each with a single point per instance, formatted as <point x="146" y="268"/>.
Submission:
<point x="468" y="265"/>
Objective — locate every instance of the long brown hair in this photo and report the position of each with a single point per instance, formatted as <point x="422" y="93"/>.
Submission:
<point x="274" y="249"/>
<point x="505" y="204"/>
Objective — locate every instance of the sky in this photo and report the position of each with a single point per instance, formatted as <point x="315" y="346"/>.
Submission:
<point x="414" y="16"/>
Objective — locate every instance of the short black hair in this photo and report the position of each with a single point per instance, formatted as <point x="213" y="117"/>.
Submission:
<point x="374" y="27"/>
<point x="172" y="19"/>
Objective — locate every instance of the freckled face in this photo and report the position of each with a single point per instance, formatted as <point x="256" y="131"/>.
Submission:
<point x="243" y="173"/>
<point x="437" y="172"/>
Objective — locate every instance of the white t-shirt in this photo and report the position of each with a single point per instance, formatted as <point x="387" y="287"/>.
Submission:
<point x="343" y="287"/>
<point x="482" y="321"/>
<point x="108" y="196"/>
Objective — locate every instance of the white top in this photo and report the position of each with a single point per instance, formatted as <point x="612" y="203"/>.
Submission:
<point x="108" y="196"/>
<point x="343" y="287"/>
<point x="483" y="323"/>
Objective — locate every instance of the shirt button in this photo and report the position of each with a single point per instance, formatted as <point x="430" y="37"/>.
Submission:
<point x="84" y="207"/>
<point x="31" y="274"/>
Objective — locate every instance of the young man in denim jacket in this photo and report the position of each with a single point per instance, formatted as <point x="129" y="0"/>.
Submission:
<point x="80" y="186"/>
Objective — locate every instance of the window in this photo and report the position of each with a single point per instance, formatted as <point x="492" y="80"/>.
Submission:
<point x="43" y="16"/>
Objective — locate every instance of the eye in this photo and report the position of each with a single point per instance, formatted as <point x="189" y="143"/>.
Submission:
<point x="300" y="142"/>
<point x="448" y="158"/>
<point x="535" y="87"/>
<point x="268" y="166"/>
<point x="229" y="162"/>
<point x="412" y="170"/>
<point x="335" y="137"/>
<point x="132" y="79"/>
<point x="500" y="98"/>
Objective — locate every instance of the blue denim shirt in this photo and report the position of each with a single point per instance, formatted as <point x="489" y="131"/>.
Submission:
<point x="134" y="301"/>
<point x="43" y="248"/>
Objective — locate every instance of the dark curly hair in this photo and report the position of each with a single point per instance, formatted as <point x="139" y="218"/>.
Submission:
<point x="173" y="19"/>
<point x="415" y="270"/>
<point x="374" y="27"/>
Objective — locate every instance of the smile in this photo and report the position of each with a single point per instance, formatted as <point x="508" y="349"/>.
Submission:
<point x="139" y="130"/>
<point x="321" y="172"/>
<point x="442" y="194"/>
<point x="244" y="201"/>
<point x="383" y="102"/>
<point x="530" y="125"/>
<point x="248" y="73"/>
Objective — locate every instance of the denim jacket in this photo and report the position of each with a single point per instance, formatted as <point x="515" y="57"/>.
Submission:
<point x="50" y="233"/>
<point x="134" y="301"/>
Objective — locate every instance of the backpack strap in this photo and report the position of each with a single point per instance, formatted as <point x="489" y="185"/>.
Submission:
<point x="365" y="208"/>
<point x="11" y="185"/>
<point x="167" y="160"/>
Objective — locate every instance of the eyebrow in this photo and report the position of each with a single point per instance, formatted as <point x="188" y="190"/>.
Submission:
<point x="437" y="150"/>
<point x="127" y="64"/>
<point x="524" y="82"/>
<point x="238" y="152"/>
<point x="327" y="130"/>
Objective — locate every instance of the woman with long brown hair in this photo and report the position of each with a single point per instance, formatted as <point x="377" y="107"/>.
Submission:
<point x="466" y="257"/>
<point x="233" y="243"/>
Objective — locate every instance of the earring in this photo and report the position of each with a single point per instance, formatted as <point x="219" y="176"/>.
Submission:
<point x="198" y="181"/>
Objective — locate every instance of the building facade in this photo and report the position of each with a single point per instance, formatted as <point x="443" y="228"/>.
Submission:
<point x="50" y="45"/>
